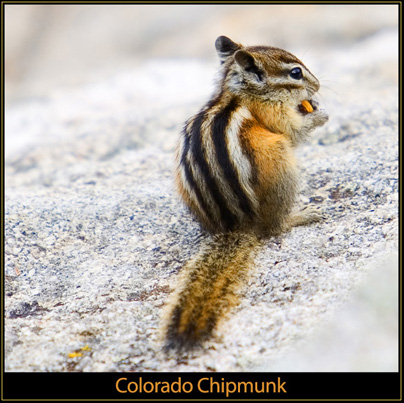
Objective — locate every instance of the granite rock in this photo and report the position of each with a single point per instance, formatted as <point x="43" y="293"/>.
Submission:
<point x="95" y="233"/>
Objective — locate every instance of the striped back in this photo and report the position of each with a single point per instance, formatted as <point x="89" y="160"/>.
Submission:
<point x="216" y="170"/>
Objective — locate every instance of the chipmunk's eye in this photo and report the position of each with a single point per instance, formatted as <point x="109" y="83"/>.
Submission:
<point x="296" y="73"/>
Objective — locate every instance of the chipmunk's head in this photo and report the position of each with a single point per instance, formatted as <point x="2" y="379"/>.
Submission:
<point x="269" y="73"/>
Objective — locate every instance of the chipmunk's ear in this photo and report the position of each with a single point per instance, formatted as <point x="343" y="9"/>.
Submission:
<point x="247" y="62"/>
<point x="244" y="59"/>
<point x="225" y="47"/>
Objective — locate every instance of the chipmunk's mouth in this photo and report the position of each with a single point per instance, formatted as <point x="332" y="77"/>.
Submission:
<point x="307" y="106"/>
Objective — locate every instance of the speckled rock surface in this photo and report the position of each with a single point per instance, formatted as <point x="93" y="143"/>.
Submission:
<point x="95" y="233"/>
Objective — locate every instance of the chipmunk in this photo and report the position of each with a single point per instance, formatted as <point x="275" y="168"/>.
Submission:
<point x="236" y="172"/>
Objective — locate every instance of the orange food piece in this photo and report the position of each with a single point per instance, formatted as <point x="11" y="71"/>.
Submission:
<point x="307" y="106"/>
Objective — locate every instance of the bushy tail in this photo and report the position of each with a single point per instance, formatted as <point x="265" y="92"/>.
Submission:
<point x="207" y="288"/>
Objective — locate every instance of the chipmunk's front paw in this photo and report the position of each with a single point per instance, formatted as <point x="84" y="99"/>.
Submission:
<point x="314" y="115"/>
<point x="320" y="117"/>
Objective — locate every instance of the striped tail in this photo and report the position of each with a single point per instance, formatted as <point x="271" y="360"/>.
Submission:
<point x="207" y="289"/>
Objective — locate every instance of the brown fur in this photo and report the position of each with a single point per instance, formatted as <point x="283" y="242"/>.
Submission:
<point x="254" y="116"/>
<point x="207" y="289"/>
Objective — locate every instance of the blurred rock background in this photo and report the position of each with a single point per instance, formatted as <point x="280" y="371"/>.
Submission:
<point x="95" y="99"/>
<point x="52" y="46"/>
